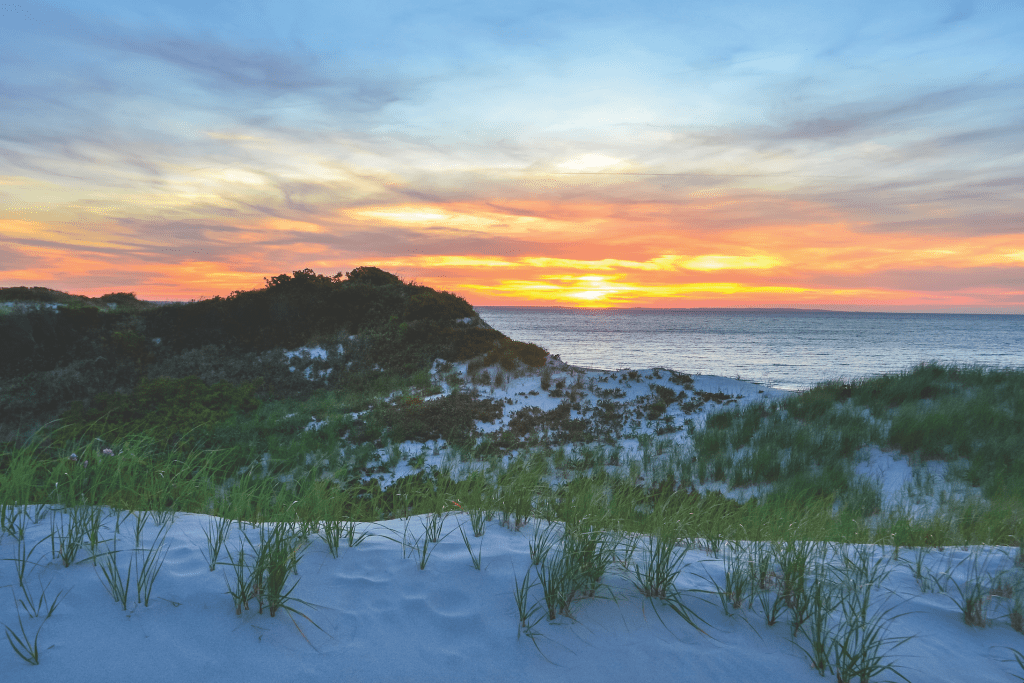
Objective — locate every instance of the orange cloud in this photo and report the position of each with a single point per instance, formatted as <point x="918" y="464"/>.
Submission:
<point x="715" y="250"/>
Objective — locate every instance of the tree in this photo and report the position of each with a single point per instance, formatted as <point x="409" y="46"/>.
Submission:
<point x="372" y="276"/>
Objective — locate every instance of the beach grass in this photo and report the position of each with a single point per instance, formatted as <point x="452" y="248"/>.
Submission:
<point x="796" y="549"/>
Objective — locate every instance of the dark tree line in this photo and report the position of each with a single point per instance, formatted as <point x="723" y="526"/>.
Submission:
<point x="51" y="359"/>
<point x="287" y="313"/>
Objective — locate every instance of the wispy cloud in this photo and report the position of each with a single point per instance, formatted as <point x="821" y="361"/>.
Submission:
<point x="809" y="151"/>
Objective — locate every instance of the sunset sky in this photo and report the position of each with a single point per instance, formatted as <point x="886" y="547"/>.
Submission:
<point x="850" y="156"/>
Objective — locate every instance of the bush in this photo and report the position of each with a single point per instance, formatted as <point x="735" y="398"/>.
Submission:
<point x="529" y="354"/>
<point x="464" y="344"/>
<point x="437" y="306"/>
<point x="527" y="420"/>
<point x="131" y="345"/>
<point x="655" y="410"/>
<point x="489" y="347"/>
<point x="608" y="417"/>
<point x="215" y="363"/>
<point x="558" y="422"/>
<point x="41" y="396"/>
<point x="165" y="408"/>
<point x="664" y="394"/>
<point x="45" y="339"/>
<point x="41" y="294"/>
<point x="16" y="343"/>
<point x="119" y="298"/>
<point x="451" y="417"/>
<point x="372" y="276"/>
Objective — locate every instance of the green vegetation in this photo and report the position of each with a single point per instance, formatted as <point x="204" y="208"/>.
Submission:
<point x="260" y="461"/>
<point x="180" y="445"/>
<point x="120" y="404"/>
<point x="75" y="361"/>
<point x="216" y="415"/>
<point x="969" y="417"/>
<point x="166" y="407"/>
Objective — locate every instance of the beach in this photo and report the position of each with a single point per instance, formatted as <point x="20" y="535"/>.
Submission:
<point x="398" y="605"/>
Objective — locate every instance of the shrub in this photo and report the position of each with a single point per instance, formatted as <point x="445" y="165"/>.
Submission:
<point x="82" y="351"/>
<point x="41" y="396"/>
<point x="655" y="410"/>
<point x="17" y="343"/>
<point x="437" y="306"/>
<point x="287" y="313"/>
<point x="607" y="417"/>
<point x="41" y="294"/>
<point x="530" y="354"/>
<point x="372" y="276"/>
<point x="509" y="353"/>
<point x="131" y="345"/>
<point x="665" y="394"/>
<point x="464" y="344"/>
<point x="45" y="339"/>
<point x="450" y="417"/>
<point x="166" y="408"/>
<point x="680" y="378"/>
<point x="119" y="298"/>
<point x="526" y="420"/>
<point x="491" y="347"/>
<point x="217" y="363"/>
<point x="558" y="421"/>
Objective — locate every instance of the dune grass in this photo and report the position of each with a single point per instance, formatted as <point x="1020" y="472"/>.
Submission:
<point x="786" y="552"/>
<point x="800" y="451"/>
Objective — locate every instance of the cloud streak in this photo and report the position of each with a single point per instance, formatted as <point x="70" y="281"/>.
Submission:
<point x="568" y="152"/>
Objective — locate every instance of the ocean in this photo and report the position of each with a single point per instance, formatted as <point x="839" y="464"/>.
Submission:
<point x="787" y="349"/>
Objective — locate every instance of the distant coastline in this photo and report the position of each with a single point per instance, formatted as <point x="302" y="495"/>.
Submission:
<point x="717" y="309"/>
<point x="708" y="309"/>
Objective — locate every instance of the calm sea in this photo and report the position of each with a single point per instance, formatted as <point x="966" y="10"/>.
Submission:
<point x="785" y="349"/>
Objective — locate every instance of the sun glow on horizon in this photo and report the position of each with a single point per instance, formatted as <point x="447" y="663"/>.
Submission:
<point x="524" y="252"/>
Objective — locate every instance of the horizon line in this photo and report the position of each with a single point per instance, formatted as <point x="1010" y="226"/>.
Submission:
<point x="787" y="309"/>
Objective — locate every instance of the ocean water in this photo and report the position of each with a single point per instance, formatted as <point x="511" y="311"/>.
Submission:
<point x="781" y="348"/>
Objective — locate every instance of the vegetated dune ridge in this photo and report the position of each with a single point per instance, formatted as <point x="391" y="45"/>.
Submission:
<point x="604" y="470"/>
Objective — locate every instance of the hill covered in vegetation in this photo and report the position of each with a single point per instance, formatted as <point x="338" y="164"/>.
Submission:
<point x="169" y="366"/>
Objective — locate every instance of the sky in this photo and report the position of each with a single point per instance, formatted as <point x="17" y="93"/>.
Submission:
<point x="848" y="156"/>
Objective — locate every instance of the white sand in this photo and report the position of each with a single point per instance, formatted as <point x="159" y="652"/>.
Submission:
<point x="385" y="619"/>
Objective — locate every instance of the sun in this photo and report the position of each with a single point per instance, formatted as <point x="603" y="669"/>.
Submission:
<point x="593" y="295"/>
<point x="591" y="289"/>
